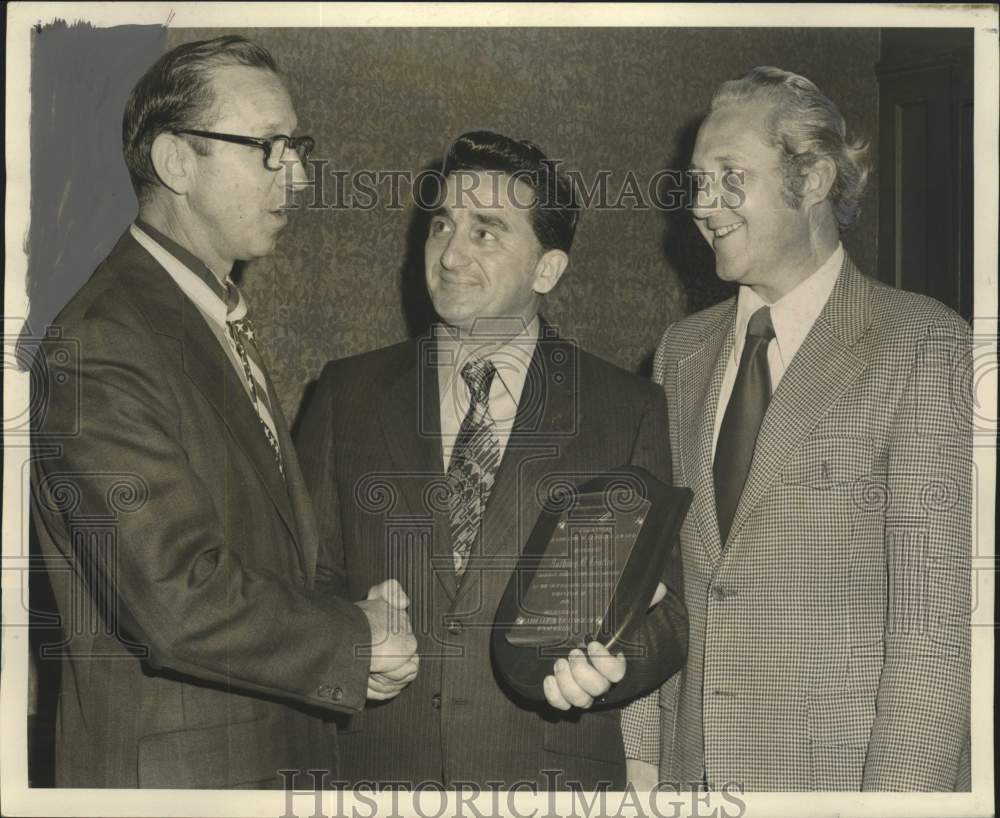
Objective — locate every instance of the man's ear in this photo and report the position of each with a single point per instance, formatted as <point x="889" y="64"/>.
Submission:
<point x="548" y="270"/>
<point x="819" y="180"/>
<point x="173" y="161"/>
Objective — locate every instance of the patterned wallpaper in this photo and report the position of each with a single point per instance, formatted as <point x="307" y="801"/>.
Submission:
<point x="348" y="280"/>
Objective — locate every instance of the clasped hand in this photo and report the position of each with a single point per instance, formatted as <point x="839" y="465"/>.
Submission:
<point x="394" y="660"/>
<point x="580" y="678"/>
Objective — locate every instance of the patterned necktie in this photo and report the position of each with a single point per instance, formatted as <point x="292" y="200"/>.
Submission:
<point x="741" y="423"/>
<point x="474" y="463"/>
<point x="242" y="332"/>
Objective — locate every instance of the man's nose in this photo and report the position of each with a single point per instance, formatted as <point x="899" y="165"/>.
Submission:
<point x="295" y="172"/>
<point x="455" y="253"/>
<point x="705" y="193"/>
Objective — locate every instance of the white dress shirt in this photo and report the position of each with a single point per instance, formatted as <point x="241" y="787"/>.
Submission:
<point x="792" y="316"/>
<point x="511" y="360"/>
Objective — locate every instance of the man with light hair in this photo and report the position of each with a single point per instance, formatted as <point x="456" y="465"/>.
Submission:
<point x="827" y="437"/>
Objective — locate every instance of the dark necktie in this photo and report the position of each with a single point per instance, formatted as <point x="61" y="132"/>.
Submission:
<point x="741" y="423"/>
<point x="242" y="332"/>
<point x="474" y="463"/>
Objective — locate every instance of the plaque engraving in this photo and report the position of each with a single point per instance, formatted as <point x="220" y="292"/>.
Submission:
<point x="570" y="593"/>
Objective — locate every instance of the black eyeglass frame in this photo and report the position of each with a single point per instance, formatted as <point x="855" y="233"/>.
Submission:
<point x="302" y="145"/>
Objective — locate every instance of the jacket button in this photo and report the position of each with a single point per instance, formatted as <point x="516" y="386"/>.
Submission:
<point x="436" y="701"/>
<point x="323" y="691"/>
<point x="454" y="627"/>
<point x="337" y="694"/>
<point x="718" y="592"/>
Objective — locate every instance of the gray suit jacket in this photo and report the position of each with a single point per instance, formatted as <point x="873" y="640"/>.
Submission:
<point x="201" y="647"/>
<point x="371" y="451"/>
<point x="830" y="638"/>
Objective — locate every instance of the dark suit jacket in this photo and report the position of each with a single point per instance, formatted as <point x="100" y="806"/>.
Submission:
<point x="830" y="636"/>
<point x="371" y="452"/>
<point x="184" y="567"/>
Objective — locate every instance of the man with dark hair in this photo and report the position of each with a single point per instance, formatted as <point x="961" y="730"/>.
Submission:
<point x="206" y="644"/>
<point x="552" y="206"/>
<point x="826" y="430"/>
<point x="429" y="461"/>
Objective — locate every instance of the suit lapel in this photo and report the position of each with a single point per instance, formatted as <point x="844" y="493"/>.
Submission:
<point x="538" y="444"/>
<point x="205" y="363"/>
<point x="821" y="371"/>
<point x="411" y="421"/>
<point x="698" y="383"/>
<point x="211" y="372"/>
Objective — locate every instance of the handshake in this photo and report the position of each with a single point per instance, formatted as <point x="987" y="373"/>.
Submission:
<point x="394" y="659"/>
<point x="575" y="681"/>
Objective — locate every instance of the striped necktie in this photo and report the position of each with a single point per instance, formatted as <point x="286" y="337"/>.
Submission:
<point x="241" y="331"/>
<point x="474" y="463"/>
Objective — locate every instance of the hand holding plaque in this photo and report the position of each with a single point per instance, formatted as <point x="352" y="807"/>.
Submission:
<point x="587" y="574"/>
<point x="580" y="678"/>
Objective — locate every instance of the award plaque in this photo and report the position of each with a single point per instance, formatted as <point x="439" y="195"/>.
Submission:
<point x="588" y="571"/>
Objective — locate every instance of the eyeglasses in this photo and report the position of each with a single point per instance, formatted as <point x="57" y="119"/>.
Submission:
<point x="274" y="148"/>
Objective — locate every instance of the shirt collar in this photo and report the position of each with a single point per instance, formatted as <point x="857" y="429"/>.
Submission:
<point x="185" y="257"/>
<point x="191" y="274"/>
<point x="512" y="358"/>
<point x="794" y="314"/>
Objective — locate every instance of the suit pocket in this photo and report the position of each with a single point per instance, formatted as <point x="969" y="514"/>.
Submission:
<point x="228" y="755"/>
<point x="826" y="463"/>
<point x="596" y="735"/>
<point x="840" y="726"/>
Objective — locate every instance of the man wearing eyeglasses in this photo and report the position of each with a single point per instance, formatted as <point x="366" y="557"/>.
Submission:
<point x="206" y="643"/>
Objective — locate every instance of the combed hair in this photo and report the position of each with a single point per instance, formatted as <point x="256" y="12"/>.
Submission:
<point x="554" y="211"/>
<point x="806" y="126"/>
<point x="176" y="92"/>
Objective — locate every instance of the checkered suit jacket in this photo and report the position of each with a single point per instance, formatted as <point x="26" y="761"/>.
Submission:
<point x="829" y="640"/>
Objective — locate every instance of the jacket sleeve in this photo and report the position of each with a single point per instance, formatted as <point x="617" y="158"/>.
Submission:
<point x="920" y="735"/>
<point x="641" y="729"/>
<point x="179" y="589"/>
